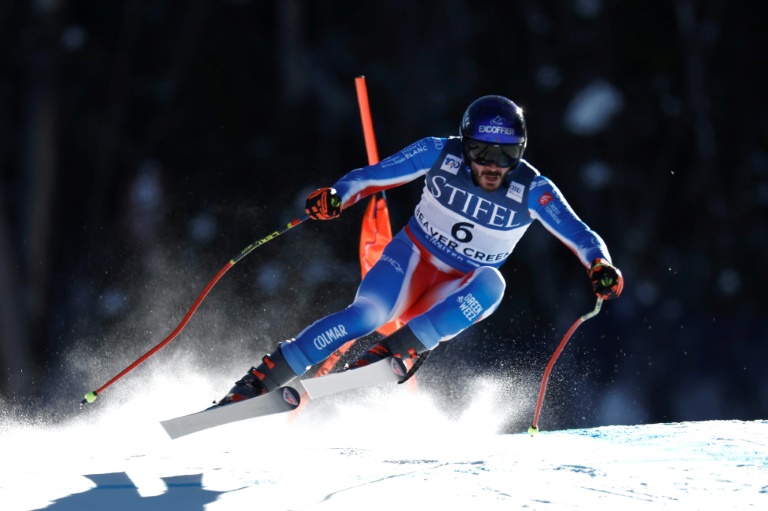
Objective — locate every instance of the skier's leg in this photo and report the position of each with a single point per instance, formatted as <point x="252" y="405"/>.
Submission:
<point x="442" y="313"/>
<point x="385" y="292"/>
<point x="458" y="304"/>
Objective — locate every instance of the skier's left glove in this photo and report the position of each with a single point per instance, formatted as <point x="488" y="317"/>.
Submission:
<point x="323" y="204"/>
<point x="607" y="281"/>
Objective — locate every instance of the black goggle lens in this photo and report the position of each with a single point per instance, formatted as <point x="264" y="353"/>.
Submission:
<point x="506" y="155"/>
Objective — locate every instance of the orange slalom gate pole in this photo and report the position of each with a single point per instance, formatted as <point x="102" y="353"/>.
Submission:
<point x="367" y="120"/>
<point x="373" y="157"/>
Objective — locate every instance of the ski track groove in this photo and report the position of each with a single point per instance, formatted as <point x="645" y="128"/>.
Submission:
<point x="378" y="480"/>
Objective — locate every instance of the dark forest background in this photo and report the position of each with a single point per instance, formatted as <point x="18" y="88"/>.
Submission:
<point x="144" y="143"/>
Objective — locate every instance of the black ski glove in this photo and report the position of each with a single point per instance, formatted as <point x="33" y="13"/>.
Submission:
<point x="607" y="281"/>
<point x="323" y="204"/>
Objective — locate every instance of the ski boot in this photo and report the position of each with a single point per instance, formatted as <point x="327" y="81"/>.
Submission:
<point x="273" y="372"/>
<point x="402" y="344"/>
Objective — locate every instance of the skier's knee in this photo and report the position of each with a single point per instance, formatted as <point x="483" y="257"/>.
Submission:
<point x="491" y="280"/>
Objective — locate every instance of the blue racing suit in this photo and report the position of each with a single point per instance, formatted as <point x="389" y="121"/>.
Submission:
<point x="439" y="274"/>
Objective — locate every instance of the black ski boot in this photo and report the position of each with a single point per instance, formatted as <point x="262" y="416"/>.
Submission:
<point x="272" y="373"/>
<point x="402" y="343"/>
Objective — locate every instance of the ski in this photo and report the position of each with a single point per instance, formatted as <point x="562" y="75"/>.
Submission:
<point x="388" y="370"/>
<point x="284" y="399"/>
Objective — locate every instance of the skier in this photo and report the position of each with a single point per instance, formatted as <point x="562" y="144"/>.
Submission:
<point x="439" y="275"/>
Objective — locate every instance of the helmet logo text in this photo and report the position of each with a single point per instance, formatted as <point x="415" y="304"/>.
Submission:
<point x="495" y="129"/>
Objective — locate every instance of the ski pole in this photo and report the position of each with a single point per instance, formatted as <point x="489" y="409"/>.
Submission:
<point x="91" y="396"/>
<point x="535" y="425"/>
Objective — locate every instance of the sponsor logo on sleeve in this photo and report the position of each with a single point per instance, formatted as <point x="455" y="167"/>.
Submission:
<point x="451" y="164"/>
<point x="550" y="207"/>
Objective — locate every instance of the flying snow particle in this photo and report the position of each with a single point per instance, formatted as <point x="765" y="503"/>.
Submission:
<point x="593" y="108"/>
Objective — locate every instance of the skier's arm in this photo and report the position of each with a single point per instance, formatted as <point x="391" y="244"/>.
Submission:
<point x="547" y="204"/>
<point x="400" y="168"/>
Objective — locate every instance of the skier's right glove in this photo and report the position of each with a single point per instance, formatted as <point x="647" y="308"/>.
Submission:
<point x="323" y="204"/>
<point x="607" y="281"/>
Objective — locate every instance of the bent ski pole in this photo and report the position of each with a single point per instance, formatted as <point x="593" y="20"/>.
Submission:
<point x="91" y="396"/>
<point x="535" y="426"/>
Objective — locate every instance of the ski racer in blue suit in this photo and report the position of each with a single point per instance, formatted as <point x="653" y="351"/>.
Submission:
<point x="439" y="274"/>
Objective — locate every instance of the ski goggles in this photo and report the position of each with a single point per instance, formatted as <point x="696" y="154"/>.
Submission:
<point x="483" y="153"/>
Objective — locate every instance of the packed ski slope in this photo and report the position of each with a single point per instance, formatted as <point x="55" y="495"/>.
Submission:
<point x="381" y="449"/>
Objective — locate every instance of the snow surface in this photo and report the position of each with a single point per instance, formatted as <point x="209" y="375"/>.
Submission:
<point x="383" y="449"/>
